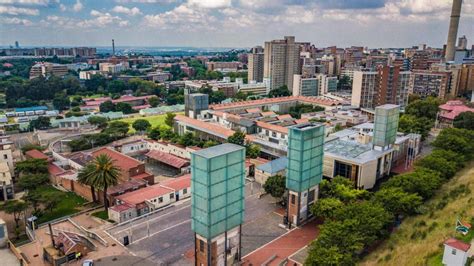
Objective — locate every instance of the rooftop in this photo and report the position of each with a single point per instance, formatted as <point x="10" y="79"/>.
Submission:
<point x="36" y="154"/>
<point x="274" y="166"/>
<point x="178" y="183"/>
<point x="457" y="244"/>
<point x="146" y="193"/>
<point x="218" y="150"/>
<point x="167" y="158"/>
<point x="123" y="161"/>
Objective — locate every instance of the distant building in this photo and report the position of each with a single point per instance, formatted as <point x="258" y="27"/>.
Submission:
<point x="392" y="87"/>
<point x="195" y="103"/>
<point x="327" y="84"/>
<point x="364" y="87"/>
<point x="272" y="168"/>
<point x="86" y="75"/>
<point x="305" y="86"/>
<point x="223" y="66"/>
<point x="256" y="64"/>
<point x="429" y="83"/>
<point x="45" y="69"/>
<point x="6" y="183"/>
<point x="112" y="68"/>
<point x="449" y="111"/>
<point x="6" y="152"/>
<point x="281" y="62"/>
<point x="462" y="43"/>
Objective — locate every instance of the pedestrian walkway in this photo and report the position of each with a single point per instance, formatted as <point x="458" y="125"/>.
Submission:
<point x="283" y="247"/>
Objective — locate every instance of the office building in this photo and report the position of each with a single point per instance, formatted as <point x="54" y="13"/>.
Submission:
<point x="255" y="64"/>
<point x="45" y="69"/>
<point x="364" y="86"/>
<point x="305" y="86"/>
<point x="327" y="84"/>
<point x="217" y="203"/>
<point x="305" y="164"/>
<point x="281" y="62"/>
<point x="392" y="86"/>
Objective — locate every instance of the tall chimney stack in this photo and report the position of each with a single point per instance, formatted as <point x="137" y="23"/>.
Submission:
<point x="113" y="46"/>
<point x="453" y="30"/>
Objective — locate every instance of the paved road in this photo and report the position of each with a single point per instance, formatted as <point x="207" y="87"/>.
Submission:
<point x="170" y="230"/>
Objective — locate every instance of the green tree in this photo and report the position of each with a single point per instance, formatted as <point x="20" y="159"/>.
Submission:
<point x="32" y="181"/>
<point x="125" y="108"/>
<point x="98" y="121"/>
<point x="279" y="92"/>
<point x="61" y="102"/>
<point x="451" y="156"/>
<point x="116" y="86"/>
<point x="16" y="208"/>
<point x="210" y="143"/>
<point x="422" y="181"/>
<point x="41" y="122"/>
<point x="413" y="124"/>
<point x="341" y="188"/>
<point x="154" y="133"/>
<point x="424" y="108"/>
<point x="117" y="129"/>
<point x="275" y="186"/>
<point x="237" y="138"/>
<point x="323" y="255"/>
<point x="458" y="140"/>
<point x="141" y="125"/>
<point x="51" y="199"/>
<point x="326" y="207"/>
<point x="464" y="120"/>
<point x="252" y="151"/>
<point x="187" y="139"/>
<point x="29" y="147"/>
<point x="169" y="119"/>
<point x="167" y="134"/>
<point x="397" y="201"/>
<point x="103" y="174"/>
<point x="32" y="166"/>
<point x="439" y="164"/>
<point x="153" y="101"/>
<point x="33" y="198"/>
<point x="107" y="106"/>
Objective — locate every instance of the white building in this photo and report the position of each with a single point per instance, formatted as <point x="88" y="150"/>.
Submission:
<point x="364" y="86"/>
<point x="455" y="253"/>
<point x="327" y="84"/>
<point x="305" y="86"/>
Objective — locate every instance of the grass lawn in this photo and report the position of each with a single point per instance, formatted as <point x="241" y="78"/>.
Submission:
<point x="101" y="214"/>
<point x="155" y="120"/>
<point x="70" y="203"/>
<point x="94" y="96"/>
<point x="419" y="240"/>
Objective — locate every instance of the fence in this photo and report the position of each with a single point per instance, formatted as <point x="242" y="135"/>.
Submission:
<point x="18" y="254"/>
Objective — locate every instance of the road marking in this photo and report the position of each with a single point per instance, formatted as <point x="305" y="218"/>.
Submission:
<point x="161" y="231"/>
<point x="269" y="243"/>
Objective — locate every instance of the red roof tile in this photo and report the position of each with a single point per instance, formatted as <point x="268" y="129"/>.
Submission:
<point x="451" y="109"/>
<point x="221" y="131"/>
<point x="120" y="160"/>
<point x="257" y="103"/>
<point x="54" y="169"/>
<point x="121" y="207"/>
<point x="146" y="193"/>
<point x="167" y="158"/>
<point x="457" y="244"/>
<point x="272" y="127"/>
<point x="36" y="154"/>
<point x="178" y="183"/>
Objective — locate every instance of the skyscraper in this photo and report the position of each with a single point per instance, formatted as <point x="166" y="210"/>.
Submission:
<point x="281" y="62"/>
<point x="255" y="64"/>
<point x="217" y="203"/>
<point x="392" y="86"/>
<point x="305" y="166"/>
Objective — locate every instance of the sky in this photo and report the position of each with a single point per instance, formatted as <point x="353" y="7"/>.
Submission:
<point x="229" y="23"/>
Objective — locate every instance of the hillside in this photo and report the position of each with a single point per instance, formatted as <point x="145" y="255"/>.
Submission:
<point x="419" y="238"/>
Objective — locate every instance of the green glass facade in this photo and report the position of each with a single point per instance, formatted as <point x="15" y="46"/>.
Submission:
<point x="385" y="125"/>
<point x="217" y="189"/>
<point x="305" y="156"/>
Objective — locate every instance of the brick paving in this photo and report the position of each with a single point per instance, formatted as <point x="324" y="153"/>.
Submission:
<point x="284" y="246"/>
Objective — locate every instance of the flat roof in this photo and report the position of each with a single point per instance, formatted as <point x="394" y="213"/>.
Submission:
<point x="274" y="166"/>
<point x="352" y="150"/>
<point x="218" y="150"/>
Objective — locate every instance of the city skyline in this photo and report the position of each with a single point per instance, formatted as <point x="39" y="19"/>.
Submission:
<point x="222" y="23"/>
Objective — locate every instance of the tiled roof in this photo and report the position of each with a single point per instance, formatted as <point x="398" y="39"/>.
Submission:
<point x="454" y="108"/>
<point x="146" y="193"/>
<point x="272" y="127"/>
<point x="121" y="207"/>
<point x="167" y="158"/>
<point x="457" y="244"/>
<point x="178" y="183"/>
<point x="215" y="129"/>
<point x="120" y="160"/>
<point x="36" y="154"/>
<point x="282" y="117"/>
<point x="54" y="169"/>
<point x="269" y="113"/>
<point x="126" y="186"/>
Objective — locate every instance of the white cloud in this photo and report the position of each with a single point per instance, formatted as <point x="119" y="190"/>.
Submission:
<point x="128" y="11"/>
<point x="11" y="10"/>
<point x="183" y="17"/>
<point x="77" y="6"/>
<point x="101" y="20"/>
<point x="62" y="7"/>
<point x="16" y="21"/>
<point x="147" y="1"/>
<point x="25" y="2"/>
<point x="210" y="3"/>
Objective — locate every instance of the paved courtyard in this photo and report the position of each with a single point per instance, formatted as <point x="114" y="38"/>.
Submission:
<point x="166" y="237"/>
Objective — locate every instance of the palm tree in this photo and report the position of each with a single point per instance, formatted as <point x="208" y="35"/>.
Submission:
<point x="101" y="173"/>
<point x="85" y="177"/>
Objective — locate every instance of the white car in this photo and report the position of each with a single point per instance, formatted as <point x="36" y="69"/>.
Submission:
<point x="88" y="263"/>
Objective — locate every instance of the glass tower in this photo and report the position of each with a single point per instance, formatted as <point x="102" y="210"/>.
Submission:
<point x="385" y="125"/>
<point x="305" y="156"/>
<point x="218" y="189"/>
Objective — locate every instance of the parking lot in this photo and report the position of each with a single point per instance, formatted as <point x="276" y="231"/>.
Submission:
<point x="165" y="237"/>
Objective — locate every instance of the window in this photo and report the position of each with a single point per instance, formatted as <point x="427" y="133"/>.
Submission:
<point x="185" y="191"/>
<point x="453" y="251"/>
<point x="342" y="169"/>
<point x="160" y="199"/>
<point x="201" y="245"/>
<point x="172" y="196"/>
<point x="293" y="199"/>
<point x="5" y="156"/>
<point x="311" y="196"/>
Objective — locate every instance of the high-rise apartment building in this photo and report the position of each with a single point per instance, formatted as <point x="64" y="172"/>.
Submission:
<point x="466" y="80"/>
<point x="364" y="86"/>
<point x="327" y="84"/>
<point x="217" y="203"/>
<point x="281" y="62"/>
<point x="255" y="64"/>
<point x="392" y="86"/>
<point x="429" y="83"/>
<point x="45" y="69"/>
